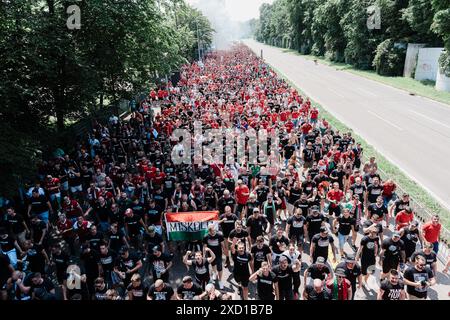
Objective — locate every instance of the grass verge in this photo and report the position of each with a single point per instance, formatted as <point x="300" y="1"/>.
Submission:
<point x="420" y="88"/>
<point x="416" y="192"/>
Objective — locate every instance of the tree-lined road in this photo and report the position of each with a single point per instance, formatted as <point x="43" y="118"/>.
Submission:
<point x="412" y="132"/>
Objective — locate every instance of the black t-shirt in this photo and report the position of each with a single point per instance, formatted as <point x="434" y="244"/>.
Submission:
<point x="400" y="205"/>
<point x="153" y="241"/>
<point x="107" y="260"/>
<point x="313" y="295"/>
<point x="139" y="292"/>
<point x="316" y="273"/>
<point x="159" y="264"/>
<point x="42" y="291"/>
<point x="303" y="205"/>
<point x="284" y="277"/>
<point x="264" y="285"/>
<point x="5" y="273"/>
<point x="375" y="209"/>
<point x="288" y="151"/>
<point x="154" y="215"/>
<point x="274" y="244"/>
<point x="36" y="258"/>
<point x="201" y="269"/>
<point x="390" y="291"/>
<point x="257" y="226"/>
<point x="214" y="242"/>
<point x="133" y="225"/>
<point x="165" y="294"/>
<point x="321" y="245"/>
<point x="95" y="240"/>
<point x="412" y="274"/>
<point x="189" y="294"/>
<point x="308" y="186"/>
<point x="368" y="248"/>
<point x="296" y="225"/>
<point x="241" y="235"/>
<point x="261" y="193"/>
<point x="101" y="212"/>
<point x="38" y="205"/>
<point x="359" y="191"/>
<point x="228" y="224"/>
<point x="429" y="258"/>
<point x="392" y="249"/>
<point x="124" y="264"/>
<point x="7" y="244"/>
<point x="308" y="154"/>
<point x="410" y="239"/>
<point x="241" y="264"/>
<point x="294" y="195"/>
<point x="314" y="223"/>
<point x="373" y="192"/>
<point x="368" y="223"/>
<point x="223" y="202"/>
<point x="345" y="224"/>
<point x="37" y="230"/>
<point x="250" y="206"/>
<point x="15" y="224"/>
<point x="116" y="240"/>
<point x="352" y="274"/>
<point x="259" y="255"/>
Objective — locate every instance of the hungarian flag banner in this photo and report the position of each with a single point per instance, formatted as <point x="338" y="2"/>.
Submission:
<point x="189" y="226"/>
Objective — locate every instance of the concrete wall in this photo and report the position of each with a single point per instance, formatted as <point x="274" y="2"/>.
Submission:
<point x="442" y="82"/>
<point x="411" y="58"/>
<point x="427" y="63"/>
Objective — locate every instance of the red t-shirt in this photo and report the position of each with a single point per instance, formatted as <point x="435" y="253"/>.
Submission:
<point x="388" y="189"/>
<point x="431" y="232"/>
<point x="314" y="114"/>
<point x="335" y="195"/>
<point x="403" y="219"/>
<point x="242" y="194"/>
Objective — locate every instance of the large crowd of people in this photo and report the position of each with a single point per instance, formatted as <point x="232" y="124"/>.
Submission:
<point x="317" y="226"/>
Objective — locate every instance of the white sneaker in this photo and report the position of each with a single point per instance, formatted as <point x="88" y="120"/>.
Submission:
<point x="221" y="285"/>
<point x="214" y="276"/>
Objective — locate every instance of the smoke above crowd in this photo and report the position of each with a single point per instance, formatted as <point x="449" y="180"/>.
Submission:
<point x="226" y="29"/>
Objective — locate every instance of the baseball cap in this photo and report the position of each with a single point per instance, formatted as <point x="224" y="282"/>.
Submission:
<point x="350" y="258"/>
<point x="151" y="229"/>
<point x="323" y="229"/>
<point x="156" y="248"/>
<point x="396" y="234"/>
<point x="315" y="208"/>
<point x="187" y="279"/>
<point x="320" y="260"/>
<point x="340" y="272"/>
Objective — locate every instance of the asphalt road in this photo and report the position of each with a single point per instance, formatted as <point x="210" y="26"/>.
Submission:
<point x="411" y="131"/>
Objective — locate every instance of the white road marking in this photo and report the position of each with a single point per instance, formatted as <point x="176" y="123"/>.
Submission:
<point x="431" y="119"/>
<point x="337" y="93"/>
<point x="387" y="121"/>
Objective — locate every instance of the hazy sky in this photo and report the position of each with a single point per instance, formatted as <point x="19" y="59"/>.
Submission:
<point x="239" y="10"/>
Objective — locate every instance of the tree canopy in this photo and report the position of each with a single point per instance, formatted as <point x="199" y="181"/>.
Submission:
<point x="50" y="74"/>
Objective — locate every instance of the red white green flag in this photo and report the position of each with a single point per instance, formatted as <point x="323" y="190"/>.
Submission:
<point x="188" y="226"/>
